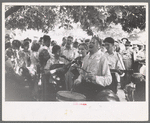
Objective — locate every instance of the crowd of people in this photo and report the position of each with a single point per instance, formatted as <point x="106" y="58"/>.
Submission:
<point x="105" y="64"/>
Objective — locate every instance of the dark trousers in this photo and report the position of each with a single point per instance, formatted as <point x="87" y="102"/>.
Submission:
<point x="88" y="89"/>
<point x="126" y="80"/>
<point x="113" y="85"/>
<point x="139" y="94"/>
<point x="91" y="90"/>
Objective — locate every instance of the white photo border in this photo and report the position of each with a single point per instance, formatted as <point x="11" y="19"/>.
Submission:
<point x="70" y="111"/>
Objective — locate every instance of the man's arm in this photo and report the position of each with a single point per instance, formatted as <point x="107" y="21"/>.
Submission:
<point x="104" y="77"/>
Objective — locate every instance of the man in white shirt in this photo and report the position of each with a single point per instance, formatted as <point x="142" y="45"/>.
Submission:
<point x="115" y="62"/>
<point x="98" y="74"/>
<point x="68" y="51"/>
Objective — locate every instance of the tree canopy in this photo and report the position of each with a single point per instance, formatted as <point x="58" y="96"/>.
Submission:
<point x="99" y="17"/>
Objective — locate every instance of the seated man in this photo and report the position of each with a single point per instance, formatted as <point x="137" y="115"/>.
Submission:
<point x="98" y="74"/>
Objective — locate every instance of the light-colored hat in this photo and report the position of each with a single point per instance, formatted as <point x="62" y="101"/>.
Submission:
<point x="134" y="46"/>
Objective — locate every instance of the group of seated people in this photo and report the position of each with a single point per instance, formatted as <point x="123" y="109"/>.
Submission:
<point x="101" y="67"/>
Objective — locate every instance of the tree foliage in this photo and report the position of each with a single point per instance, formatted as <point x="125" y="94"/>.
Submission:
<point x="99" y="17"/>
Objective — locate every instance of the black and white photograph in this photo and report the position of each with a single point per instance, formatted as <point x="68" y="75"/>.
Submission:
<point x="61" y="61"/>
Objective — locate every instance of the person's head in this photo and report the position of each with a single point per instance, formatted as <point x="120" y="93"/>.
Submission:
<point x="41" y="41"/>
<point x="94" y="44"/>
<point x="117" y="47"/>
<point x="69" y="41"/>
<point x="128" y="45"/>
<point x="75" y="44"/>
<point x="46" y="40"/>
<point x="9" y="52"/>
<point x="35" y="47"/>
<point x="109" y="44"/>
<point x="56" y="50"/>
<point x="25" y="45"/>
<point x="64" y="40"/>
<point x="43" y="57"/>
<point x="124" y="40"/>
<point x="7" y="38"/>
<point x="83" y="48"/>
<point x="16" y="44"/>
<point x="134" y="47"/>
<point x="87" y="41"/>
<point x="140" y="46"/>
<point x="7" y="45"/>
<point x="53" y="43"/>
<point x="27" y="40"/>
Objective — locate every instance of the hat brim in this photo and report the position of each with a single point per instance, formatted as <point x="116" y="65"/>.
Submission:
<point x="128" y="45"/>
<point x="134" y="47"/>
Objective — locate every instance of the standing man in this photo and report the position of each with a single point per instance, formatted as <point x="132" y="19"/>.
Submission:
<point x="98" y="75"/>
<point x="68" y="51"/>
<point x="128" y="59"/>
<point x="114" y="61"/>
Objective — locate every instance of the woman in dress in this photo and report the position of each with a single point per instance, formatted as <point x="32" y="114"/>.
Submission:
<point x="74" y="70"/>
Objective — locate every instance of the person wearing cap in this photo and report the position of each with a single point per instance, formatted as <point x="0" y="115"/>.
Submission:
<point x="128" y="59"/>
<point x="97" y="76"/>
<point x="114" y="61"/>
